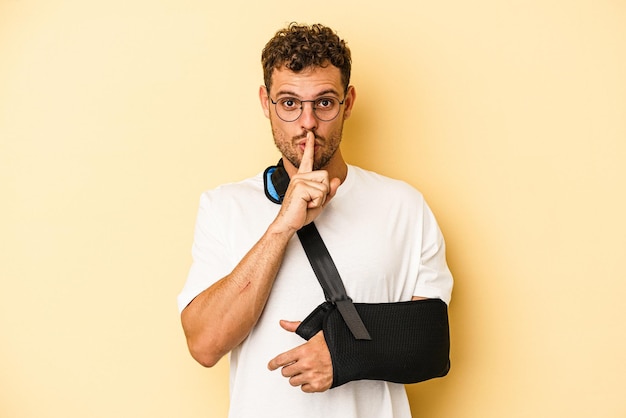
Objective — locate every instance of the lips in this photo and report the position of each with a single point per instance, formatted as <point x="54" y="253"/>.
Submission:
<point x="301" y="142"/>
<point x="302" y="145"/>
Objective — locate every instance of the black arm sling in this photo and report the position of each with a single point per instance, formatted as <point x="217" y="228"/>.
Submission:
<point x="402" y="342"/>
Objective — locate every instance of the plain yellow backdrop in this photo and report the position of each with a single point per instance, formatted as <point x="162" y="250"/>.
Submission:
<point x="510" y="117"/>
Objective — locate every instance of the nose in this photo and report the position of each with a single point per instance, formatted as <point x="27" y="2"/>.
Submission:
<point x="307" y="119"/>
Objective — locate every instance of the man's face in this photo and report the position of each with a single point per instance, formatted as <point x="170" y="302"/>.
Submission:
<point x="309" y="84"/>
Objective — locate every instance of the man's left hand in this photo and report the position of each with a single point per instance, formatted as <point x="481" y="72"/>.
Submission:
<point x="308" y="365"/>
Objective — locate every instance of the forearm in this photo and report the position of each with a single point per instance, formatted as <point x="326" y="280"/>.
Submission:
<point x="221" y="317"/>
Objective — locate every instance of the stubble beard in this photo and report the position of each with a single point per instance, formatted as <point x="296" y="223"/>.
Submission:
<point x="289" y="151"/>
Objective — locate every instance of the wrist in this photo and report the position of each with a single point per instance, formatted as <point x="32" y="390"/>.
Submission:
<point x="280" y="231"/>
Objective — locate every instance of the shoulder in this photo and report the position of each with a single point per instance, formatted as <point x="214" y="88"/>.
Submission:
<point x="246" y="188"/>
<point x="383" y="186"/>
<point x="235" y="196"/>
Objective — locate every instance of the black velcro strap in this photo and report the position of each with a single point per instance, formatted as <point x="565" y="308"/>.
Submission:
<point x="353" y="319"/>
<point x="314" y="322"/>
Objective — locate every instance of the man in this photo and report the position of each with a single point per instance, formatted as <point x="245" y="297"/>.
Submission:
<point x="250" y="282"/>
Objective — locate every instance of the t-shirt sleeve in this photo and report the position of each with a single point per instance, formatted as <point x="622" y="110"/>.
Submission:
<point x="434" y="279"/>
<point x="209" y="253"/>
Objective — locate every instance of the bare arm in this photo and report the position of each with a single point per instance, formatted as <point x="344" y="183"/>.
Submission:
<point x="221" y="317"/>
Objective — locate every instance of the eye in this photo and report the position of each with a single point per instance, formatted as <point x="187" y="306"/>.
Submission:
<point x="325" y="103"/>
<point x="289" y="103"/>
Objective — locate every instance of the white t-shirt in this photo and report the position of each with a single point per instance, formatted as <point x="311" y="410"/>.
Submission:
<point x="387" y="247"/>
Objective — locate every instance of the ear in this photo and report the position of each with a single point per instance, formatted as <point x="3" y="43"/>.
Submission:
<point x="265" y="101"/>
<point x="349" y="102"/>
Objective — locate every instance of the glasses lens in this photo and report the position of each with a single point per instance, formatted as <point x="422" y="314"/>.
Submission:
<point x="288" y="109"/>
<point x="326" y="108"/>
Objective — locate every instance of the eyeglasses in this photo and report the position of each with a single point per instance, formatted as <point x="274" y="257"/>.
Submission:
<point x="289" y="109"/>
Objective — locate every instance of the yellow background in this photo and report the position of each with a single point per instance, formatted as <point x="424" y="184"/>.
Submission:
<point x="510" y="117"/>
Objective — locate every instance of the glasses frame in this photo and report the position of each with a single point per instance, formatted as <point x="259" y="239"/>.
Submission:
<point x="302" y="108"/>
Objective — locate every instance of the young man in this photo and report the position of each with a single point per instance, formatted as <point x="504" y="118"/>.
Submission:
<point x="251" y="283"/>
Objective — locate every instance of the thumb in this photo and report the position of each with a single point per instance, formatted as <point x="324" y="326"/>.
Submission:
<point x="290" y="326"/>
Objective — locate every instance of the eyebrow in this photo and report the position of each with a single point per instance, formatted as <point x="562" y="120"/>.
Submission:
<point x="294" y="94"/>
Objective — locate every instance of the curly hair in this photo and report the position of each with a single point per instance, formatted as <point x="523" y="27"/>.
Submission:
<point x="298" y="47"/>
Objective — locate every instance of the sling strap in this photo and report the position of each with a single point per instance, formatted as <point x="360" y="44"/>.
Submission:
<point x="330" y="280"/>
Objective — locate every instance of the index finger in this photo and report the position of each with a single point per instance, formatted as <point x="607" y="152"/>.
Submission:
<point x="306" y="165"/>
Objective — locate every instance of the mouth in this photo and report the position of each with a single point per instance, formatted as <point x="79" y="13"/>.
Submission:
<point x="300" y="142"/>
<point x="302" y="145"/>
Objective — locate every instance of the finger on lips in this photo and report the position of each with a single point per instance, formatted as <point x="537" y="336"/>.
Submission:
<point x="306" y="165"/>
